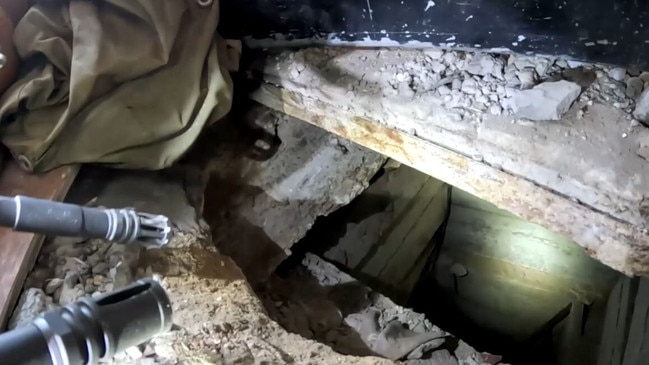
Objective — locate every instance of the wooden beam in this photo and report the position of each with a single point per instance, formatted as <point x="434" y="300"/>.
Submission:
<point x="19" y="250"/>
<point x="615" y="242"/>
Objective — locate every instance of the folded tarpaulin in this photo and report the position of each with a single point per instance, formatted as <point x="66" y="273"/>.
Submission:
<point x="125" y="82"/>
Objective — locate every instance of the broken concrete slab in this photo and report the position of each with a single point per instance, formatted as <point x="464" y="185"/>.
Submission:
<point x="259" y="208"/>
<point x="546" y="101"/>
<point x="368" y="314"/>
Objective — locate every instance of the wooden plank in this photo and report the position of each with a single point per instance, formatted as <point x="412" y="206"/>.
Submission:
<point x="19" y="250"/>
<point x="499" y="270"/>
<point x="616" y="326"/>
<point x="504" y="305"/>
<point x="387" y="246"/>
<point x="616" y="243"/>
<point x="407" y="238"/>
<point x="637" y="347"/>
<point x="373" y="212"/>
<point x="521" y="243"/>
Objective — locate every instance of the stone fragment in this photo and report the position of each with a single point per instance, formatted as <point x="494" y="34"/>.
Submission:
<point x="511" y="77"/>
<point x="617" y="73"/>
<point x="546" y="101"/>
<point x="641" y="111"/>
<point x="70" y="295"/>
<point x="495" y="110"/>
<point x="434" y="53"/>
<point x="449" y="58"/>
<point x="527" y="78"/>
<point x="634" y="87"/>
<point x="52" y="285"/>
<point x="485" y="64"/>
<point x="444" y="90"/>
<point x="134" y="352"/>
<point x="581" y="76"/>
<point x="540" y="64"/>
<point x="437" y="67"/>
<point x="32" y="303"/>
<point x="644" y="76"/>
<point x="469" y="87"/>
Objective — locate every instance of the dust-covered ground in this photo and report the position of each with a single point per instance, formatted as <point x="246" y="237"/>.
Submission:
<point x="218" y="317"/>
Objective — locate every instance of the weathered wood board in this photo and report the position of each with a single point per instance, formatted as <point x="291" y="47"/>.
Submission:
<point x="637" y="347"/>
<point x="578" y="177"/>
<point x="18" y="250"/>
<point x="519" y="280"/>
<point x="503" y="244"/>
<point x="618" y="322"/>
<point x="388" y="247"/>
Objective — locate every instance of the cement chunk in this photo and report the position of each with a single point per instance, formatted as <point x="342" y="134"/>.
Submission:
<point x="641" y="111"/>
<point x="546" y="101"/>
<point x="617" y="74"/>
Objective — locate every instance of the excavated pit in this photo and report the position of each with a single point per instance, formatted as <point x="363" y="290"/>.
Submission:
<point x="336" y="242"/>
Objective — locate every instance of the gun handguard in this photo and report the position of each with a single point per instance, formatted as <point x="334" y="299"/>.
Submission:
<point x="90" y="329"/>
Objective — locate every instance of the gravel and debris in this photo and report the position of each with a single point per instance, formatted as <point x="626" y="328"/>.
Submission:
<point x="219" y="319"/>
<point x="318" y="301"/>
<point x="468" y="83"/>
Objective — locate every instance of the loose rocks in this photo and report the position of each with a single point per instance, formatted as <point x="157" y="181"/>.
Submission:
<point x="32" y="303"/>
<point x="634" y="87"/>
<point x="455" y="85"/>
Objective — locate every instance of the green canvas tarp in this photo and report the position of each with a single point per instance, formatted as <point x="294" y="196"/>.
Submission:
<point x="129" y="83"/>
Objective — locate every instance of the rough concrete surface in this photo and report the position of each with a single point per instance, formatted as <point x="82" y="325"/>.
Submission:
<point x="269" y="204"/>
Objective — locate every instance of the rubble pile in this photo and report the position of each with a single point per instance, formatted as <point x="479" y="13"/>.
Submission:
<point x="526" y="87"/>
<point x="69" y="269"/>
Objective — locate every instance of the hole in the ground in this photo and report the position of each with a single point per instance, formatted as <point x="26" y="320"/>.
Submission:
<point x="501" y="284"/>
<point x="469" y="272"/>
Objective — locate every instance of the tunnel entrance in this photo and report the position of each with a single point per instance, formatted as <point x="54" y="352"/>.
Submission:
<point x="502" y="284"/>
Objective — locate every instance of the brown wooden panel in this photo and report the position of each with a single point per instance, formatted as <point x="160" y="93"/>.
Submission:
<point x="18" y="250"/>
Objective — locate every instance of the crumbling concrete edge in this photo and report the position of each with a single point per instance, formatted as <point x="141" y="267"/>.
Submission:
<point x="619" y="245"/>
